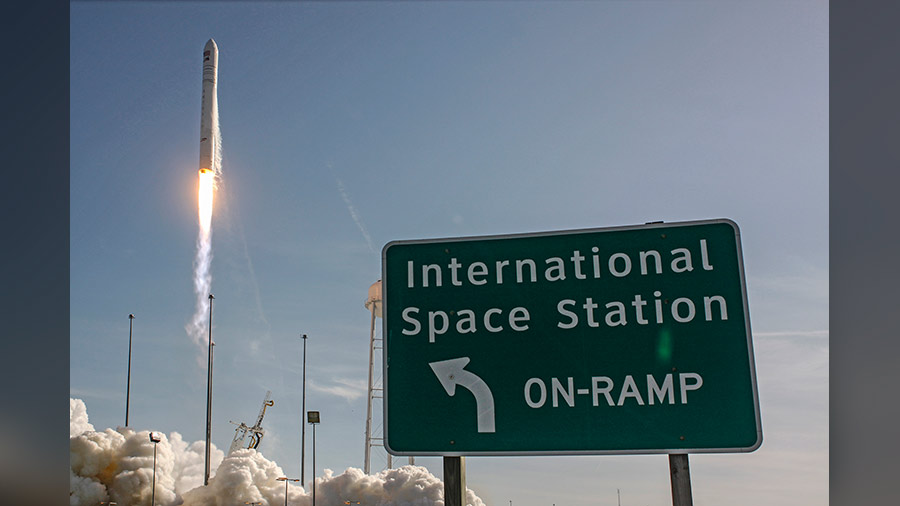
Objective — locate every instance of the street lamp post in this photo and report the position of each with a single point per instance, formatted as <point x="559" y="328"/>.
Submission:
<point x="128" y="384"/>
<point x="285" y="479"/>
<point x="313" y="418"/>
<point x="154" y="438"/>
<point x="303" y="425"/>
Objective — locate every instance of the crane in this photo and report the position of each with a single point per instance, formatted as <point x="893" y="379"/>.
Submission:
<point x="256" y="431"/>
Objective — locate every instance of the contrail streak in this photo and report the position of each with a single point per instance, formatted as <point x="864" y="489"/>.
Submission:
<point x="354" y="214"/>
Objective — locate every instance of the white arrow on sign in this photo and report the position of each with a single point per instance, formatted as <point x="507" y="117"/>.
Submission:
<point x="451" y="373"/>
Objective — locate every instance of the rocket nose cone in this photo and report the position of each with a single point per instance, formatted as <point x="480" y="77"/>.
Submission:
<point x="211" y="46"/>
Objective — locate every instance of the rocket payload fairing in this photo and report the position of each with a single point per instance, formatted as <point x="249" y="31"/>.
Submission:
<point x="208" y="109"/>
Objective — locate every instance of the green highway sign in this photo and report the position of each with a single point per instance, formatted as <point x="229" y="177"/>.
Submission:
<point x="610" y="340"/>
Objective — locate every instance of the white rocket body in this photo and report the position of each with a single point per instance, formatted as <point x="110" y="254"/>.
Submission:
<point x="208" y="107"/>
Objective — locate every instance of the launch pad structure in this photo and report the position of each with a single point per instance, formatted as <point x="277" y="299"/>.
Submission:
<point x="373" y="304"/>
<point x="256" y="431"/>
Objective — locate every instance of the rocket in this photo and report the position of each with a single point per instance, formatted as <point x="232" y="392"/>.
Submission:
<point x="208" y="108"/>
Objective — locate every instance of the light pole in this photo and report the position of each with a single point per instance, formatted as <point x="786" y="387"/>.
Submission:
<point x="128" y="384"/>
<point x="209" y="395"/>
<point x="313" y="418"/>
<point x="154" y="438"/>
<point x="285" y="479"/>
<point x="303" y="425"/>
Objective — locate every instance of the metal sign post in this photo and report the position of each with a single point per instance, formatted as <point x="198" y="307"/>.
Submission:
<point x="454" y="481"/>
<point x="680" y="474"/>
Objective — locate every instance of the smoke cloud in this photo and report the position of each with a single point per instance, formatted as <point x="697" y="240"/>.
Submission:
<point x="78" y="418"/>
<point x="117" y="465"/>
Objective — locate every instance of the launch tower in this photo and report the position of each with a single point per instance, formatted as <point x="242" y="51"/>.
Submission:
<point x="256" y="432"/>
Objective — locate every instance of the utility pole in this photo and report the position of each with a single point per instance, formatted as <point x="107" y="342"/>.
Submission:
<point x="128" y="385"/>
<point x="302" y="424"/>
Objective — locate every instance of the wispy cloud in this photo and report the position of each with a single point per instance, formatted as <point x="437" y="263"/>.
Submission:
<point x="344" y="388"/>
<point x="83" y="393"/>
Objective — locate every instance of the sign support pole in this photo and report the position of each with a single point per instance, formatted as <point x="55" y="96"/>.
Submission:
<point x="455" y="481"/>
<point x="680" y="474"/>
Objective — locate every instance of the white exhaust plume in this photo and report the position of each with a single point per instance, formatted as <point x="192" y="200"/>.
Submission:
<point x="117" y="465"/>
<point x="197" y="328"/>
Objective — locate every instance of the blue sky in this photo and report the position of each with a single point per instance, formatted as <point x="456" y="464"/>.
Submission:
<point x="431" y="120"/>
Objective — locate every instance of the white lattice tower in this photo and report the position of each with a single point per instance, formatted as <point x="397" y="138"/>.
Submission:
<point x="373" y="304"/>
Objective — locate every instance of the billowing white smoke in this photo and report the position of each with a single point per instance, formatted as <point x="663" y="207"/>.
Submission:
<point x="197" y="328"/>
<point x="406" y="486"/>
<point x="117" y="465"/>
<point x="78" y="418"/>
